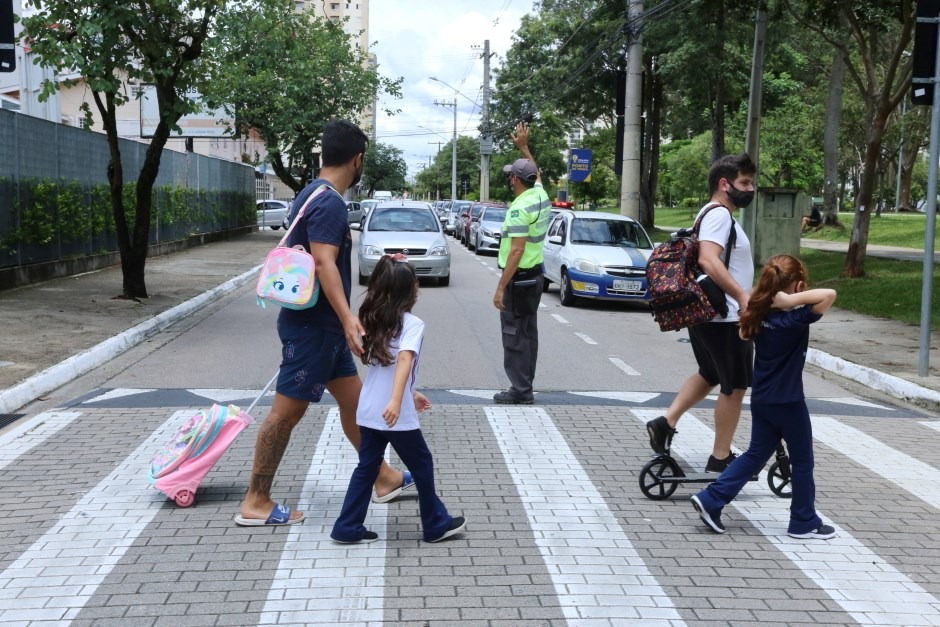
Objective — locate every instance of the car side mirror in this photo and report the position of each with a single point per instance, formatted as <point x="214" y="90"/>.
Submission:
<point x="555" y="239"/>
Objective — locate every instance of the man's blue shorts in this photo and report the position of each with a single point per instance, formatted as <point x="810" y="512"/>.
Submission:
<point x="311" y="358"/>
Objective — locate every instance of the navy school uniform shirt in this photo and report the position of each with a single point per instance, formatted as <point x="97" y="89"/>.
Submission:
<point x="779" y="355"/>
<point x="325" y="221"/>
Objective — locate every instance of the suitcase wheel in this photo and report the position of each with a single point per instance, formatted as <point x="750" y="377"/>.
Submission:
<point x="185" y="498"/>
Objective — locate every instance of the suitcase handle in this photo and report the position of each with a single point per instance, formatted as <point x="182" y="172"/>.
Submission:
<point x="263" y="392"/>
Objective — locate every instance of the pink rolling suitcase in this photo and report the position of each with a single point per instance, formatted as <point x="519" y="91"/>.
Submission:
<point x="184" y="461"/>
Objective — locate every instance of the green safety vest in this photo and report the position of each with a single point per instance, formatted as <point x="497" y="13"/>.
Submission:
<point x="527" y="217"/>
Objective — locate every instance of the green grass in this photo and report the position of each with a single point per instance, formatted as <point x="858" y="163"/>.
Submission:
<point x="891" y="229"/>
<point x="891" y="289"/>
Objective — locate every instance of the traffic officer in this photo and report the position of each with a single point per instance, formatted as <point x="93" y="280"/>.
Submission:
<point x="520" y="285"/>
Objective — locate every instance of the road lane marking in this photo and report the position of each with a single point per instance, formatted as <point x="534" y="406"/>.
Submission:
<point x="488" y="394"/>
<point x="933" y="425"/>
<point x="31" y="433"/>
<point x="867" y="587"/>
<point x="66" y="565"/>
<point x="629" y="397"/>
<point x="560" y="319"/>
<point x="623" y="366"/>
<point x="595" y="570"/>
<point x="856" y="401"/>
<point x="319" y="581"/>
<point x="119" y="393"/>
<point x="586" y="338"/>
<point x="904" y="471"/>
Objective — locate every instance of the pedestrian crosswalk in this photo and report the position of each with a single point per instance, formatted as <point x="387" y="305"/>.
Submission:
<point x="558" y="531"/>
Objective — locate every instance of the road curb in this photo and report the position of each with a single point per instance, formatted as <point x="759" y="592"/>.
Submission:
<point x="889" y="384"/>
<point x="70" y="369"/>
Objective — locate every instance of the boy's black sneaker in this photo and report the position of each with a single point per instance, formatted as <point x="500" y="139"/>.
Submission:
<point x="508" y="398"/>
<point x="718" y="465"/>
<point x="456" y="526"/>
<point x="370" y="536"/>
<point x="714" y="522"/>
<point x="822" y="532"/>
<point x="660" y="435"/>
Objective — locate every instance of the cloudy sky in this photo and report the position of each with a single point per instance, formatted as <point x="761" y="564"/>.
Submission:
<point x="417" y="39"/>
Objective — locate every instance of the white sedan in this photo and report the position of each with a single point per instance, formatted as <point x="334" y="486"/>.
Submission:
<point x="597" y="255"/>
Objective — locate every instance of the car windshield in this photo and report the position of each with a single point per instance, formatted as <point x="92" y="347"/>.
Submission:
<point x="494" y="215"/>
<point x="475" y="211"/>
<point x="402" y="219"/>
<point x="608" y="233"/>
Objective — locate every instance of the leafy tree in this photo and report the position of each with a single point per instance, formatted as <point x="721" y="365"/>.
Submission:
<point x="873" y="35"/>
<point x="284" y="75"/>
<point x="112" y="45"/>
<point x="385" y="168"/>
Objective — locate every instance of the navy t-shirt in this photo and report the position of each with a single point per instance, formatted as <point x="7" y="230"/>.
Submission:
<point x="779" y="355"/>
<point x="325" y="221"/>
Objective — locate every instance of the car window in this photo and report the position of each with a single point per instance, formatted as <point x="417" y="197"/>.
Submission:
<point x="553" y="228"/>
<point x="494" y="214"/>
<point x="608" y="233"/>
<point x="562" y="229"/>
<point x="406" y="220"/>
<point x="475" y="211"/>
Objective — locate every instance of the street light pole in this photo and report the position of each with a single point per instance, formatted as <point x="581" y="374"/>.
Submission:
<point x="453" y="165"/>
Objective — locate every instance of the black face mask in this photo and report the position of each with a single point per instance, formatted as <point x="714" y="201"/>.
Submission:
<point x="512" y="189"/>
<point x="740" y="198"/>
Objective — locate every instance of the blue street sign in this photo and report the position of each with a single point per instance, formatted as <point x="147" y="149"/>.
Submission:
<point x="579" y="165"/>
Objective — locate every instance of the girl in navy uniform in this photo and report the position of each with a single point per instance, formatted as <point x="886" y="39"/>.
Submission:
<point x="777" y="318"/>
<point x="389" y="405"/>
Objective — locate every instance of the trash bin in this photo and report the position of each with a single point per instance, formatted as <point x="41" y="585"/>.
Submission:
<point x="772" y="222"/>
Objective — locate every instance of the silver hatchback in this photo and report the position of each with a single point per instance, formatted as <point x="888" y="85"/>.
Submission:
<point x="408" y="227"/>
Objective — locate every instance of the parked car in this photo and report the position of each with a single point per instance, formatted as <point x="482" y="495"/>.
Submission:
<point x="354" y="212"/>
<point x="272" y="213"/>
<point x="408" y="227"/>
<point x="467" y="215"/>
<point x="596" y="255"/>
<point x="486" y="228"/>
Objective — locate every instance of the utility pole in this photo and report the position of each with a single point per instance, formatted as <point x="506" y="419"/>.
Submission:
<point x="486" y="138"/>
<point x="752" y="136"/>
<point x="453" y="165"/>
<point x="632" y="115"/>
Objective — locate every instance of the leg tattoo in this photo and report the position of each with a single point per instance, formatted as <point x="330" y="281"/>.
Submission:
<point x="273" y="438"/>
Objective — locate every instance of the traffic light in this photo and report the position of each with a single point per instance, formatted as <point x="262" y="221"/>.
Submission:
<point x="7" y="41"/>
<point x="925" y="51"/>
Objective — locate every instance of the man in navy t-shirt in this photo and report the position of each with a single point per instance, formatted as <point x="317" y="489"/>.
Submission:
<point x="317" y="344"/>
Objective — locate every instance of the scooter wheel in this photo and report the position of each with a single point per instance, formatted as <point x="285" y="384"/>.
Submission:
<point x="779" y="481"/>
<point x="651" y="483"/>
<point x="185" y="498"/>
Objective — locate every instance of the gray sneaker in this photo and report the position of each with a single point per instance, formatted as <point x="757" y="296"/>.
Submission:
<point x="822" y="532"/>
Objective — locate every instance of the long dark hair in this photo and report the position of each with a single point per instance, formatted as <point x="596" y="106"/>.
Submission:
<point x="392" y="291"/>
<point x="780" y="273"/>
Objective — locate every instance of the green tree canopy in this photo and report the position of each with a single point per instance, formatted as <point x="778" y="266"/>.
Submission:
<point x="284" y="75"/>
<point x="385" y="168"/>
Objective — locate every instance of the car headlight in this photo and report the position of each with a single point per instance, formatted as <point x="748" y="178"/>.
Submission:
<point x="439" y="251"/>
<point x="587" y="267"/>
<point x="371" y="251"/>
<point x="488" y="233"/>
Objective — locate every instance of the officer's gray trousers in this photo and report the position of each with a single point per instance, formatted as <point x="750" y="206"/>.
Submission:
<point x="520" y="345"/>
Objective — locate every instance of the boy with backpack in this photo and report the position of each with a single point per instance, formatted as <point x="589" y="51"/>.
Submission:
<point x="723" y="358"/>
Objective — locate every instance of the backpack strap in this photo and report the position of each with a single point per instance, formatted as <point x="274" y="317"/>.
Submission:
<point x="732" y="235"/>
<point x="300" y="213"/>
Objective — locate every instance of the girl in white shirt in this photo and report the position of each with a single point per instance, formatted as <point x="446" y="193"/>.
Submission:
<point x="389" y="405"/>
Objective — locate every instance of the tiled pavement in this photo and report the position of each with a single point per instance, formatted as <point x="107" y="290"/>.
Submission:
<point x="558" y="533"/>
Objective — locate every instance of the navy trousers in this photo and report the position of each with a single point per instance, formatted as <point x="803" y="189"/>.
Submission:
<point x="414" y="452"/>
<point x="769" y="423"/>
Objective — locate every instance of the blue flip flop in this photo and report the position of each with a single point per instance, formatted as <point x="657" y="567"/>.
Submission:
<point x="280" y="515"/>
<point x="407" y="483"/>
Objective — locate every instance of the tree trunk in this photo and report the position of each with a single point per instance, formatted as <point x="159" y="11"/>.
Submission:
<point x="283" y="173"/>
<point x="858" y="244"/>
<point x="907" y="177"/>
<point x="831" y="140"/>
<point x="652" y="105"/>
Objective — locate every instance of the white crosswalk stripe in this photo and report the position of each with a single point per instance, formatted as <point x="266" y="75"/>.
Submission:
<point x="596" y="572"/>
<point x="63" y="568"/>
<point x="320" y="582"/>
<point x="32" y="433"/>
<point x="868" y="588"/>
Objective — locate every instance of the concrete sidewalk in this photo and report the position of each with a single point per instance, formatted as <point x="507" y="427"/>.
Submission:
<point x="55" y="331"/>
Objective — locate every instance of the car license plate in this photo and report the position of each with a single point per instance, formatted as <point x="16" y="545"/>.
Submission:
<point x="627" y="286"/>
